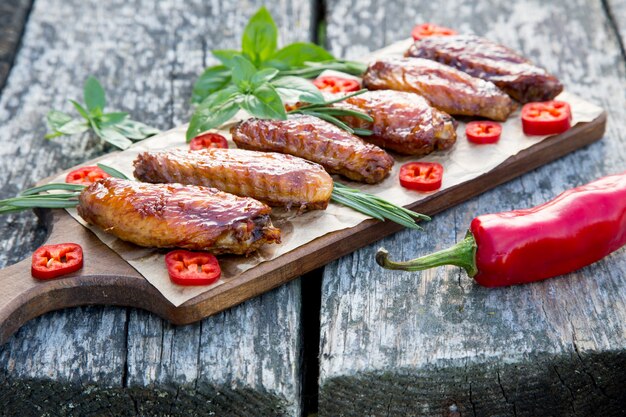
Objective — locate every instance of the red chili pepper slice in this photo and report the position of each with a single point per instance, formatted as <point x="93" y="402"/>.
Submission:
<point x="428" y="29"/>
<point x="51" y="261"/>
<point x="208" y="140"/>
<point x="336" y="84"/>
<point x="85" y="175"/>
<point x="192" y="268"/>
<point x="421" y="176"/>
<point x="481" y="132"/>
<point x="546" y="118"/>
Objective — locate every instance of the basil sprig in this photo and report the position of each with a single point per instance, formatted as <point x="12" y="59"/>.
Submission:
<point x="258" y="92"/>
<point x="115" y="127"/>
<point x="259" y="46"/>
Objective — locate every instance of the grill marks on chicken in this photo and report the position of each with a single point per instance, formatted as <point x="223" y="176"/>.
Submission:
<point x="276" y="179"/>
<point x="482" y="58"/>
<point x="446" y="88"/>
<point x="174" y="215"/>
<point x="403" y="122"/>
<point x="338" y="151"/>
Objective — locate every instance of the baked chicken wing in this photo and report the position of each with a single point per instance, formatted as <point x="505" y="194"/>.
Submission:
<point x="308" y="137"/>
<point x="446" y="88"/>
<point x="403" y="122"/>
<point x="482" y="58"/>
<point x="276" y="179"/>
<point x="174" y="215"/>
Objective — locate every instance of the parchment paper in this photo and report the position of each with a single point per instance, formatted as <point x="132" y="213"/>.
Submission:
<point x="462" y="163"/>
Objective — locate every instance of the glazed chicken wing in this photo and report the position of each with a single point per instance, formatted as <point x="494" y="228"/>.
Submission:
<point x="316" y="140"/>
<point x="275" y="179"/>
<point x="174" y="215"/>
<point x="482" y="58"/>
<point x="403" y="122"/>
<point x="446" y="88"/>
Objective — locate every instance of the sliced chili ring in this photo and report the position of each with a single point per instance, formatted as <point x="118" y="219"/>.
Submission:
<point x="481" y="132"/>
<point x="208" y="140"/>
<point x="192" y="268"/>
<point x="421" y="176"/>
<point x="336" y="84"/>
<point x="546" y="118"/>
<point x="85" y="175"/>
<point x="51" y="261"/>
<point x="428" y="29"/>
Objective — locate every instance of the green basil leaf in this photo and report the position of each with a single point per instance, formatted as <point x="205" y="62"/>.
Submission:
<point x="293" y="89"/>
<point x="115" y="138"/>
<point x="81" y="110"/>
<point x="296" y="54"/>
<point x="57" y="119"/>
<point x="265" y="103"/>
<point x="263" y="76"/>
<point x="214" y="111"/>
<point x="112" y="118"/>
<point x="74" y="126"/>
<point x="94" y="95"/>
<point x="226" y="56"/>
<point x="260" y="37"/>
<point x="212" y="79"/>
<point x="243" y="71"/>
<point x="135" y="130"/>
<point x="113" y="172"/>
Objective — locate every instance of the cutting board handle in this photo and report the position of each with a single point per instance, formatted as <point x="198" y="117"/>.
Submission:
<point x="104" y="279"/>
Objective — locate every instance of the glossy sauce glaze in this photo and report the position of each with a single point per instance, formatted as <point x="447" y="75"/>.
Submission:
<point x="446" y="88"/>
<point x="308" y="137"/>
<point x="174" y="215"/>
<point x="484" y="59"/>
<point x="276" y="179"/>
<point x="403" y="122"/>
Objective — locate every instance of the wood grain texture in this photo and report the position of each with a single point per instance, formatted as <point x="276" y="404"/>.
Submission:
<point x="98" y="361"/>
<point x="434" y="343"/>
<point x="13" y="14"/>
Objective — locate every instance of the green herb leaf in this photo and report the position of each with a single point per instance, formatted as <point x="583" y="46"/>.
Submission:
<point x="94" y="95"/>
<point x="297" y="89"/>
<point x="243" y="71"/>
<point x="63" y="124"/>
<point x="83" y="112"/>
<point x="297" y="54"/>
<point x="214" y="111"/>
<point x="112" y="118"/>
<point x="53" y="186"/>
<point x="263" y="76"/>
<point x="226" y="56"/>
<point x="212" y="79"/>
<point x="135" y="130"/>
<point x="115" y="138"/>
<point x="265" y="103"/>
<point x="113" y="172"/>
<point x="260" y="37"/>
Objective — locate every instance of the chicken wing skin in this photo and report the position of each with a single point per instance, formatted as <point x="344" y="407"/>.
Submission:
<point x="308" y="137"/>
<point x="276" y="179"/>
<point x="403" y="122"/>
<point x="482" y="58"/>
<point x="174" y="215"/>
<point x="446" y="88"/>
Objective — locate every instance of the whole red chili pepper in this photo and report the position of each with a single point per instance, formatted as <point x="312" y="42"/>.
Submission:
<point x="577" y="228"/>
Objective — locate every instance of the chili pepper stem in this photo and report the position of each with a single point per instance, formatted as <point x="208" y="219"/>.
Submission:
<point x="463" y="254"/>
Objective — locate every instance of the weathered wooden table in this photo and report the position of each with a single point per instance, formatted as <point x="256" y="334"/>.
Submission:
<point x="351" y="339"/>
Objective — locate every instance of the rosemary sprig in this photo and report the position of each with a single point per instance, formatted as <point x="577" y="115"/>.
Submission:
<point x="32" y="197"/>
<point x="376" y="207"/>
<point x="325" y="111"/>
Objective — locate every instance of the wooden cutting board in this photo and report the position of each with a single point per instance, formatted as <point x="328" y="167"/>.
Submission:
<point x="107" y="279"/>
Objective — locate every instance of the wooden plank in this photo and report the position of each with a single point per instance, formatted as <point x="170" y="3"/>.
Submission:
<point x="111" y="360"/>
<point x="434" y="343"/>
